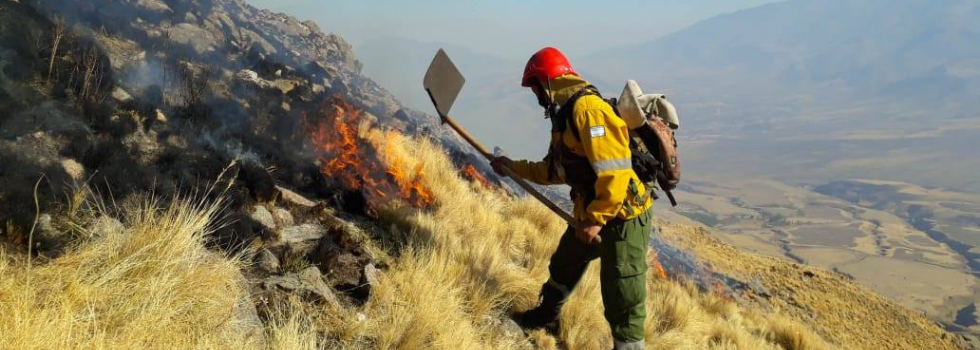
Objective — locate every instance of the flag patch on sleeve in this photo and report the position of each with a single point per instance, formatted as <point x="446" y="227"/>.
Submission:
<point x="597" y="131"/>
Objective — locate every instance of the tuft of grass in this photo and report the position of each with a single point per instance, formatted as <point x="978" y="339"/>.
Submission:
<point x="152" y="285"/>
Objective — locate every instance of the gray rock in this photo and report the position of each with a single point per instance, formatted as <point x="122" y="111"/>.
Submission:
<point x="159" y="116"/>
<point x="266" y="261"/>
<point x="511" y="329"/>
<point x="308" y="283"/>
<point x="302" y="233"/>
<point x="154" y="5"/>
<point x="247" y="75"/>
<point x="347" y="268"/>
<point x="247" y="317"/>
<point x="372" y="276"/>
<point x="283" y="217"/>
<point x="300" y="240"/>
<point x="262" y="216"/>
<point x="196" y="37"/>
<point x="190" y="18"/>
<point x="121" y="95"/>
<point x="253" y="78"/>
<point x="294" y="198"/>
<point x="249" y="322"/>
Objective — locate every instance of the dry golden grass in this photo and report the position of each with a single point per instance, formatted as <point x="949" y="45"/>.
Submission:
<point x="456" y="272"/>
<point x="851" y="315"/>
<point x="149" y="285"/>
<point x="481" y="255"/>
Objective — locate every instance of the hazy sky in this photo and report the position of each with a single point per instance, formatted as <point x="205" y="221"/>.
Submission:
<point x="495" y="108"/>
<point x="508" y="28"/>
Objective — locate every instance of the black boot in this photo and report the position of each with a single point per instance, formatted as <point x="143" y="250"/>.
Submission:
<point x="539" y="317"/>
<point x="546" y="314"/>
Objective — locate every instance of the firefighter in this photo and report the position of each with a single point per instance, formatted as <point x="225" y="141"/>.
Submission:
<point x="590" y="153"/>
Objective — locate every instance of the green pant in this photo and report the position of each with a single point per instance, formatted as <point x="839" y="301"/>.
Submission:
<point x="623" y="270"/>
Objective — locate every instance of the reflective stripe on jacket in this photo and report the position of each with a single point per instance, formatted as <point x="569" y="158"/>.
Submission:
<point x="605" y="143"/>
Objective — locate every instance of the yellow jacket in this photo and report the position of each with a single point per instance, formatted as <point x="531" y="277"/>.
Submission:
<point x="605" y="142"/>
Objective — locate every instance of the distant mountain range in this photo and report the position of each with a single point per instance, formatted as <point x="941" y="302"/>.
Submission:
<point x="860" y="65"/>
<point x="862" y="49"/>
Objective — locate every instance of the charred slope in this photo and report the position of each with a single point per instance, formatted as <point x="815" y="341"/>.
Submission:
<point x="131" y="97"/>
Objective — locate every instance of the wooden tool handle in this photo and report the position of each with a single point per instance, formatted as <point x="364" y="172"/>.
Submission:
<point x="510" y="173"/>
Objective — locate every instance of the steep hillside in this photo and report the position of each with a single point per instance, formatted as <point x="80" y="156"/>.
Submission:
<point x="202" y="174"/>
<point x="833" y="304"/>
<point x="471" y="258"/>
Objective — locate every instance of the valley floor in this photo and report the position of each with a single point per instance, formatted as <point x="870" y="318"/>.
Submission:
<point x="862" y="229"/>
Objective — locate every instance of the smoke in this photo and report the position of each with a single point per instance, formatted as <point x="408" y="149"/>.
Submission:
<point x="145" y="79"/>
<point x="684" y="265"/>
<point x="231" y="148"/>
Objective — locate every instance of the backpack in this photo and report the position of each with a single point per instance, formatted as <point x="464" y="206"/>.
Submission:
<point x="652" y="143"/>
<point x="652" y="119"/>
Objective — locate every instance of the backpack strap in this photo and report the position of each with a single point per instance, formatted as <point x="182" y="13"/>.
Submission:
<point x="563" y="119"/>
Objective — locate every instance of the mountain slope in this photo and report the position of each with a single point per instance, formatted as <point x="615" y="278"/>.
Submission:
<point x="316" y="220"/>
<point x="834" y="305"/>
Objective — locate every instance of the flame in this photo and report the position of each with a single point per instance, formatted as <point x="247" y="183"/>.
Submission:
<point x="411" y="188"/>
<point x="654" y="261"/>
<point x="470" y="173"/>
<point x="356" y="164"/>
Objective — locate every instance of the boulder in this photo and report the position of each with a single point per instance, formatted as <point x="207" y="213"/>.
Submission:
<point x="294" y="198"/>
<point x="511" y="329"/>
<point x="199" y="39"/>
<point x="302" y="233"/>
<point x="246" y="316"/>
<point x="250" y="77"/>
<point x="371" y="276"/>
<point x="262" y="216"/>
<point x="159" y="116"/>
<point x="344" y="266"/>
<point x="154" y="6"/>
<point x="307" y="283"/>
<point x="283" y="217"/>
<point x="121" y="95"/>
<point x="266" y="261"/>
<point x="300" y="240"/>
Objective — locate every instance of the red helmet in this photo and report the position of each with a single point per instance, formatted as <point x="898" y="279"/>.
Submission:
<point x="544" y="65"/>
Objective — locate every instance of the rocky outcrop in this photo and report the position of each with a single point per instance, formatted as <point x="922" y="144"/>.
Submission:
<point x="211" y="98"/>
<point x="178" y="92"/>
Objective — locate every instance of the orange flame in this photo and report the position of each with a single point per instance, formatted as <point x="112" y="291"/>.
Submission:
<point x="470" y="173"/>
<point x="654" y="261"/>
<point x="355" y="164"/>
<point x="410" y="188"/>
<point x="719" y="288"/>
